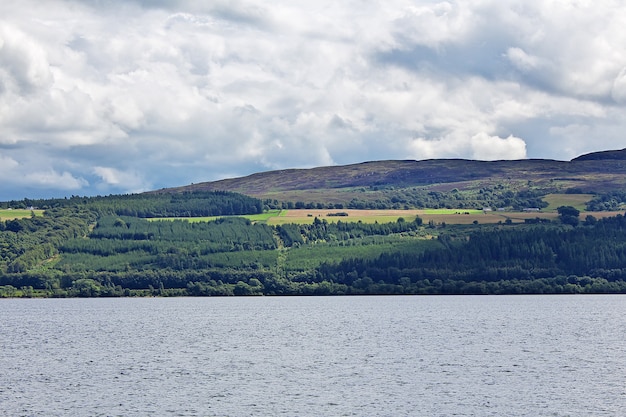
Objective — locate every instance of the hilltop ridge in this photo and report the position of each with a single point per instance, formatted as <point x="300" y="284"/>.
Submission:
<point x="590" y="173"/>
<point x="603" y="156"/>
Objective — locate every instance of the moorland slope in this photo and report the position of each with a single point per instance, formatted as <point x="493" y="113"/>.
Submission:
<point x="598" y="172"/>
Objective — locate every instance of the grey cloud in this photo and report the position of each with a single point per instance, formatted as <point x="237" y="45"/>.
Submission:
<point x="453" y="61"/>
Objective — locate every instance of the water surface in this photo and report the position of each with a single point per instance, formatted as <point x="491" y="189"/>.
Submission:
<point x="314" y="356"/>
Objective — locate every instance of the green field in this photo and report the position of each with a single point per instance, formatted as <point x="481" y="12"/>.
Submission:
<point x="578" y="201"/>
<point x="11" y="214"/>
<point x="452" y="211"/>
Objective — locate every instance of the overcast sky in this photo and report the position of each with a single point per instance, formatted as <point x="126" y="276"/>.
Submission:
<point x="106" y="97"/>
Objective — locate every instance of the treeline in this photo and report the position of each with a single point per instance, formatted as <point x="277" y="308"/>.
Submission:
<point x="383" y="198"/>
<point x="227" y="231"/>
<point x="204" y="283"/>
<point x="612" y="201"/>
<point x="193" y="204"/>
<point x="497" y="196"/>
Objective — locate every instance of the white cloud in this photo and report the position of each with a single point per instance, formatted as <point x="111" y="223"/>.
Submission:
<point x="25" y="68"/>
<point x="480" y="146"/>
<point x="109" y="175"/>
<point x="434" y="24"/>
<point x="490" y="148"/>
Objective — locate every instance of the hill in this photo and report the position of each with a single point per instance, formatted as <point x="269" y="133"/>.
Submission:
<point x="129" y="245"/>
<point x="396" y="181"/>
<point x="603" y="156"/>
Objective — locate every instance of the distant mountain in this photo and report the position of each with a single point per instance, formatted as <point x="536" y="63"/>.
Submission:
<point x="592" y="173"/>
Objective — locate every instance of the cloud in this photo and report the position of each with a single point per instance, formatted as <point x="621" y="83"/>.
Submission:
<point x="62" y="181"/>
<point x="481" y="146"/>
<point x="123" y="96"/>
<point x="522" y="61"/>
<point x="25" y="69"/>
<point x="490" y="148"/>
<point x="618" y="92"/>
<point x="114" y="178"/>
<point x="7" y="165"/>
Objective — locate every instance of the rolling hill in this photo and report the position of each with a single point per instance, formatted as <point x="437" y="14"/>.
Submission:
<point x="594" y="173"/>
<point x="129" y="245"/>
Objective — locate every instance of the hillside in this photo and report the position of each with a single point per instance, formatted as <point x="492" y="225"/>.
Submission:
<point x="518" y="239"/>
<point x="92" y="248"/>
<point x="595" y="173"/>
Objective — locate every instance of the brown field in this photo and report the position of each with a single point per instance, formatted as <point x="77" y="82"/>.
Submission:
<point x="600" y="214"/>
<point x="382" y="216"/>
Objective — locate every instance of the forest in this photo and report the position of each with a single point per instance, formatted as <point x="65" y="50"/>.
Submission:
<point x="144" y="245"/>
<point x="388" y="197"/>
<point x="189" y="204"/>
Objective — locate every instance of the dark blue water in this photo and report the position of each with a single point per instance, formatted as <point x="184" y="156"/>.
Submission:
<point x="317" y="356"/>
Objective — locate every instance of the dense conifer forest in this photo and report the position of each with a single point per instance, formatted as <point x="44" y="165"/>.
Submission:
<point x="123" y="246"/>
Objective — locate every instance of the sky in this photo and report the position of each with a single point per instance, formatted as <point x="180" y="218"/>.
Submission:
<point x="102" y="97"/>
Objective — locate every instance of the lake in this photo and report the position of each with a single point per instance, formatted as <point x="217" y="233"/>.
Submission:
<point x="314" y="356"/>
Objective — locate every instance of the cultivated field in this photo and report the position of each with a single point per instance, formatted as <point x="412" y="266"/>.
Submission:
<point x="383" y="216"/>
<point x="577" y="201"/>
<point x="277" y="217"/>
<point x="437" y="216"/>
<point x="10" y="214"/>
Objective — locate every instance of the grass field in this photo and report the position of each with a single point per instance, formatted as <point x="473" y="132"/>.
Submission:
<point x="578" y="201"/>
<point x="452" y="211"/>
<point x="11" y="214"/>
